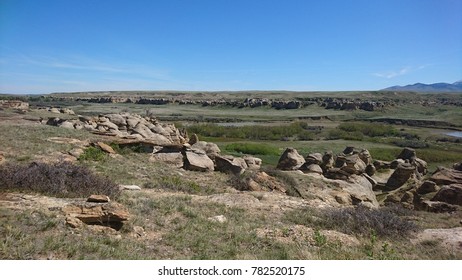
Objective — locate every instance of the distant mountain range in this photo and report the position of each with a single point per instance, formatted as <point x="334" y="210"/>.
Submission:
<point x="437" y="87"/>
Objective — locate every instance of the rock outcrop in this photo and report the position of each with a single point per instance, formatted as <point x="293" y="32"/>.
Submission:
<point x="290" y="160"/>
<point x="96" y="211"/>
<point x="14" y="104"/>
<point x="451" y="194"/>
<point x="126" y="126"/>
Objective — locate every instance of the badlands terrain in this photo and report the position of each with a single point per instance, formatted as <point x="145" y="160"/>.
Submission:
<point x="231" y="175"/>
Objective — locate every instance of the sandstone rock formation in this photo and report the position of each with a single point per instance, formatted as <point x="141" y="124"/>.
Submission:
<point x="126" y="126"/>
<point x="290" y="160"/>
<point x="96" y="211"/>
<point x="14" y="104"/>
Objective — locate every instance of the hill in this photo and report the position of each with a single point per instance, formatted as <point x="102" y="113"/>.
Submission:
<point x="436" y="87"/>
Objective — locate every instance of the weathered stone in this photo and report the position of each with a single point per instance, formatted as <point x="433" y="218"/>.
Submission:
<point x="117" y="119"/>
<point x="449" y="238"/>
<point x="349" y="150"/>
<point x="427" y="187"/>
<point x="407" y="154"/>
<point x="55" y="111"/>
<point x="67" y="124"/>
<point x="457" y="166"/>
<point x="15" y="104"/>
<point x="408" y="197"/>
<point x="402" y="173"/>
<point x="2" y="158"/>
<point x="219" y="219"/>
<point x="351" y="164"/>
<point x="343" y="198"/>
<point x="129" y="187"/>
<point x="327" y="160"/>
<point x="111" y="214"/>
<point x="437" y="206"/>
<point x="444" y="176"/>
<point x="370" y="179"/>
<point x="252" y="162"/>
<point x="290" y="160"/>
<point x="210" y="149"/>
<point x="98" y="198"/>
<point x="315" y="158"/>
<point x="380" y="164"/>
<point x="74" y="222"/>
<point x="105" y="147"/>
<point x="397" y="162"/>
<point x="336" y="174"/>
<point x="195" y="161"/>
<point x="311" y="168"/>
<point x="421" y="165"/>
<point x="365" y="156"/>
<point x="230" y="164"/>
<point x="451" y="194"/>
<point x="193" y="139"/>
<point x="370" y="170"/>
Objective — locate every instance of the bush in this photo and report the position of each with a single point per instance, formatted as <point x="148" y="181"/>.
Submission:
<point x="385" y="221"/>
<point x="93" y="153"/>
<point x="296" y="130"/>
<point x="410" y="143"/>
<point x="60" y="179"/>
<point x="252" y="149"/>
<point x="371" y="130"/>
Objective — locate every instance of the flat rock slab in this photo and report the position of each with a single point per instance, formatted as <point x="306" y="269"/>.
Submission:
<point x="451" y="238"/>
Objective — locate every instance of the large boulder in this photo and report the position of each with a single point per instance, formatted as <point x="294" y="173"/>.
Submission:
<point x="110" y="214"/>
<point x="427" y="187"/>
<point x="252" y="162"/>
<point x="351" y="164"/>
<point x="444" y="176"/>
<point x="197" y="160"/>
<point x="311" y="168"/>
<point x="327" y="160"/>
<point x="290" y="160"/>
<point x="402" y="173"/>
<point x="210" y="149"/>
<point x="407" y="154"/>
<point x="457" y="166"/>
<point x="451" y="194"/>
<point x="315" y="158"/>
<point x="230" y="164"/>
<point x="365" y="156"/>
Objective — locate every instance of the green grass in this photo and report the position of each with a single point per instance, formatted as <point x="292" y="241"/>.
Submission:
<point x="252" y="149"/>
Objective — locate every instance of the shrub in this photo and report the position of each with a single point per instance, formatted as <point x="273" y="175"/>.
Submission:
<point x="252" y="149"/>
<point x="385" y="221"/>
<point x="371" y="130"/>
<point x="93" y="153"/>
<point x="410" y="143"/>
<point x="60" y="179"/>
<point x="296" y="130"/>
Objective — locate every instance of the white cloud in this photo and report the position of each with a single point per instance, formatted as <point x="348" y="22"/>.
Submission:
<point x="392" y="74"/>
<point x="400" y="72"/>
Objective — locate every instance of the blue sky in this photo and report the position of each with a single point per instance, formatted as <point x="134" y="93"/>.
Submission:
<point x="83" y="45"/>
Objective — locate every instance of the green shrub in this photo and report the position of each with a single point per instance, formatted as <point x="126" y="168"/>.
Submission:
<point x="295" y="130"/>
<point x="60" y="179"/>
<point x="410" y="143"/>
<point x="93" y="153"/>
<point x="371" y="130"/>
<point x="252" y="149"/>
